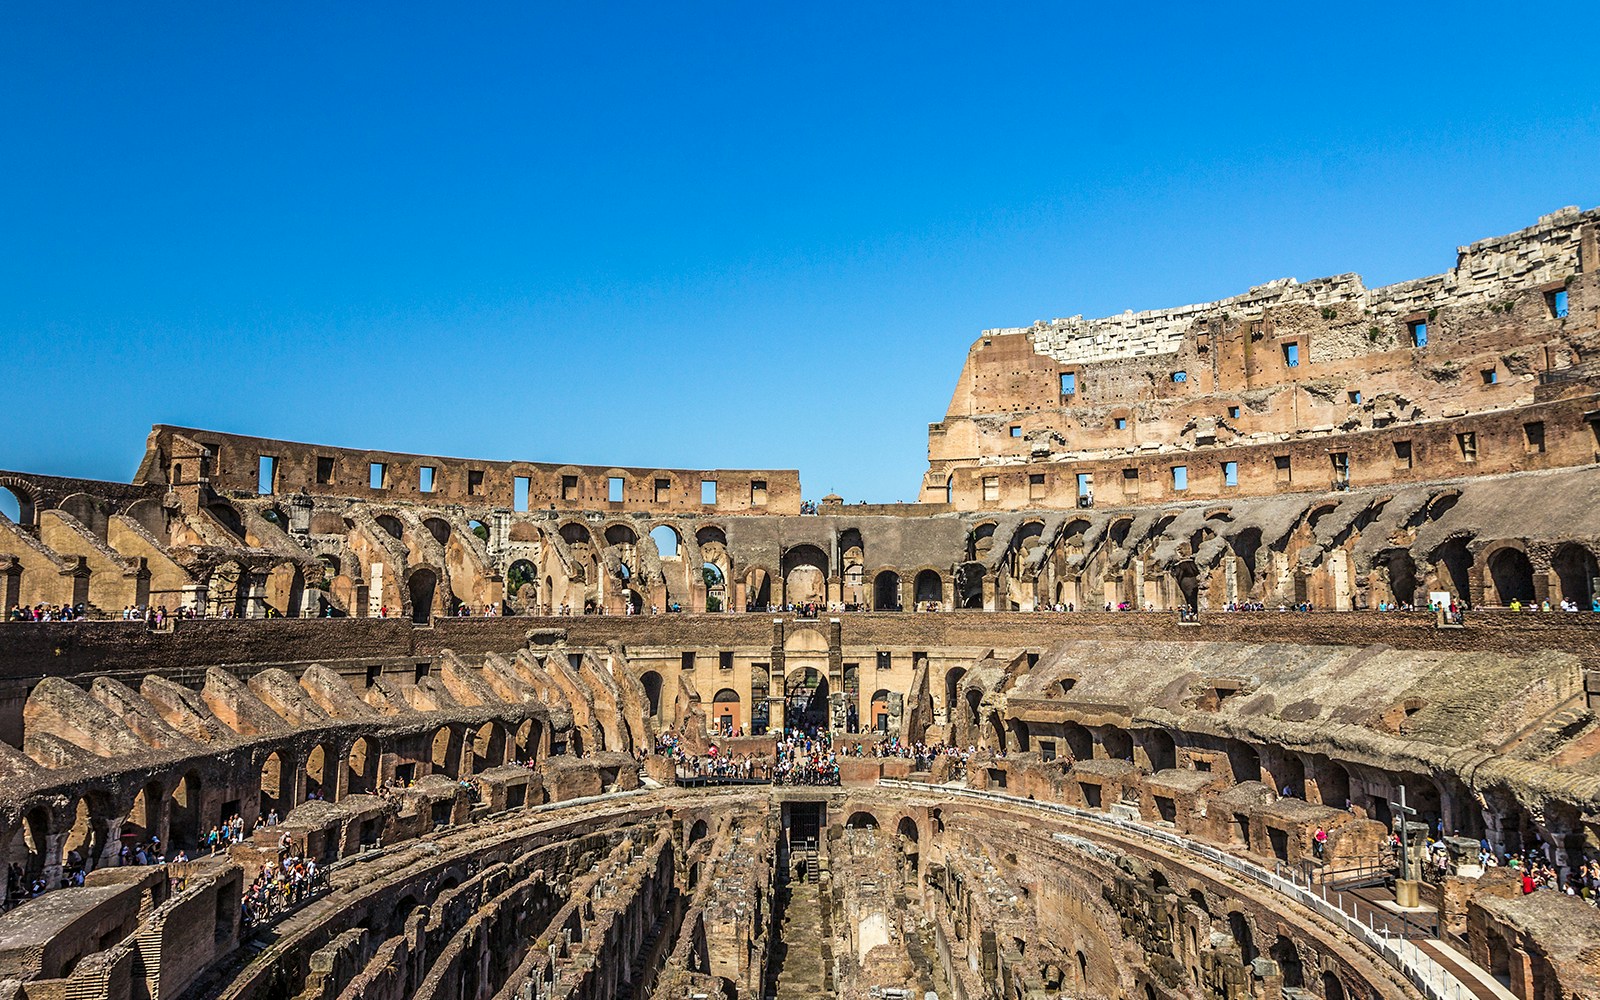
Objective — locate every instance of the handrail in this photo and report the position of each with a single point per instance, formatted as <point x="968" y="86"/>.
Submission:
<point x="1432" y="979"/>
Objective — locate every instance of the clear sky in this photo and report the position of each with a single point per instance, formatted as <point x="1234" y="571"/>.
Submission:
<point x="706" y="235"/>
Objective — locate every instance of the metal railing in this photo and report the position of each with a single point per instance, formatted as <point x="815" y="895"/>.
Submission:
<point x="1434" y="980"/>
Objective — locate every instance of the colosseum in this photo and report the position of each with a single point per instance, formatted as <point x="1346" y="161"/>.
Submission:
<point x="1243" y="650"/>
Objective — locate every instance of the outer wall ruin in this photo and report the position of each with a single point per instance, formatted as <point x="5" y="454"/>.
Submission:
<point x="1161" y="684"/>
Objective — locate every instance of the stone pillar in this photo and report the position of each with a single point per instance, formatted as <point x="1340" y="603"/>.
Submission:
<point x="299" y="507"/>
<point x="776" y="682"/>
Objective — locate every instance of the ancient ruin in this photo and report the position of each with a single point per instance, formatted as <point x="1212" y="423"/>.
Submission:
<point x="1236" y="650"/>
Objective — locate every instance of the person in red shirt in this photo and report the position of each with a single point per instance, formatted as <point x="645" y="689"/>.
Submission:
<point x="1527" y="883"/>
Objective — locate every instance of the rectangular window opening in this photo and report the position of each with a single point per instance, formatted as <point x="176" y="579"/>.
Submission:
<point x="425" y="479"/>
<point x="1280" y="468"/>
<point x="1122" y="423"/>
<point x="1233" y="413"/>
<point x="569" y="487"/>
<point x="266" y="475"/>
<point x="1402" y="454"/>
<point x="991" y="488"/>
<point x="519" y="494"/>
<point x="1467" y="442"/>
<point x="474" y="482"/>
<point x="1069" y="383"/>
<point x="324" y="471"/>
<point x="1085" y="484"/>
<point x="1036" y="486"/>
<point x="1291" y="355"/>
<point x="1419" y="333"/>
<point x="758" y="492"/>
<point x="1341" y="465"/>
<point x="1180" y="376"/>
<point x="1533" y="437"/>
<point x="686" y="661"/>
<point x="1557" y="302"/>
<point x="1180" y="477"/>
<point x="1016" y="430"/>
<point x="1130" y="481"/>
<point x="378" y="476"/>
<point x="663" y="490"/>
<point x="1355" y="397"/>
<point x="1230" y="473"/>
<point x="614" y="489"/>
<point x="708" y="492"/>
<point x="725" y="661"/>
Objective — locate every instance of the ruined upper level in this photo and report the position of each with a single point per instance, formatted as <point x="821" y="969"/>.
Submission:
<point x="1514" y="323"/>
<point x="234" y="463"/>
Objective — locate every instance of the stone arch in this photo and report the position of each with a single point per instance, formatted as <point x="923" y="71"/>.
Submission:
<point x="1454" y="561"/>
<point x="391" y="525"/>
<point x="886" y="591"/>
<point x="1160" y="749"/>
<point x="1019" y="734"/>
<point x="1118" y="743"/>
<point x="805" y="694"/>
<point x="929" y="588"/>
<point x="952" y="687"/>
<point x="1511" y="576"/>
<point x="852" y="566"/>
<point x="1243" y="936"/>
<point x="1399" y="574"/>
<point x="321" y="773"/>
<point x="522" y="584"/>
<point x="997" y="732"/>
<point x="276" y="786"/>
<point x="725" y="711"/>
<point x="18" y="502"/>
<point x="861" y="819"/>
<point x="906" y="832"/>
<point x="488" y="747"/>
<point x="144" y="817"/>
<point x="1080" y="742"/>
<point x="667" y="541"/>
<point x="480" y="529"/>
<point x="980" y="541"/>
<point x="1332" y="988"/>
<point x="651" y="681"/>
<point x="1244" y="761"/>
<point x="422" y="585"/>
<point x="439" y="528"/>
<point x="442" y="752"/>
<point x="758" y="588"/>
<point x="361" y="767"/>
<point x="1287" y="955"/>
<point x="89" y="837"/>
<point x="1576" y="573"/>
<point x="878" y="710"/>
<point x="805" y="575"/>
<point x="183" y="812"/>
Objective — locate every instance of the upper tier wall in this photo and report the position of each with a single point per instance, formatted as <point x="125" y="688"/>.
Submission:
<point x="232" y="462"/>
<point x="1487" y="270"/>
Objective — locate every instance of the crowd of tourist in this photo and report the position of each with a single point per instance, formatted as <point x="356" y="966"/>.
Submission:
<point x="805" y="757"/>
<point x="282" y="885"/>
<point x="47" y="613"/>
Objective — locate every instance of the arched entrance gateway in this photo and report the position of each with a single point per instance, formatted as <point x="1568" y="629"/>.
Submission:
<point x="805" y="701"/>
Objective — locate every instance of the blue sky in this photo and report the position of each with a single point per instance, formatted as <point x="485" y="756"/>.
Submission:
<point x="698" y="234"/>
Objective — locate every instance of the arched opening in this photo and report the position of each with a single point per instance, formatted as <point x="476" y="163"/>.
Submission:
<point x="86" y="841"/>
<point x="1455" y="567"/>
<point x="1245" y="762"/>
<point x="906" y="830"/>
<point x="805" y="697"/>
<point x="878" y="710"/>
<point x="480" y="529"/>
<point x="440" y="755"/>
<point x="1079" y="741"/>
<point x="1160" y="748"/>
<point x="1332" y="989"/>
<point x="1118" y="744"/>
<point x="1287" y="956"/>
<point x="320" y="774"/>
<point x="1186" y="575"/>
<point x="17" y="507"/>
<point x="1333" y="783"/>
<point x="391" y="524"/>
<point x="758" y="589"/>
<point x="361" y="768"/>
<point x="805" y="576"/>
<point x="30" y="842"/>
<point x="1512" y="576"/>
<point x="488" y="747"/>
<point x="861" y="821"/>
<point x="666" y="541"/>
<point x="1291" y="776"/>
<point x="651" y="681"/>
<point x="144" y="818"/>
<point x="422" y="585"/>
<point x="273" y="790"/>
<point x="886" y="591"/>
<point x="969" y="577"/>
<point x="1019" y="734"/>
<point x="997" y="732"/>
<point x="974" y="699"/>
<point x="183" y="816"/>
<point x="1239" y="927"/>
<point x="716" y="586"/>
<point x="929" y="588"/>
<point x="522" y="585"/>
<point x="1499" y="958"/>
<point x="980" y="542"/>
<point x="698" y="831"/>
<point x="1400" y="575"/>
<point x="725" y="711"/>
<point x="1576" y="573"/>
<point x="439" y="528"/>
<point x="952" y="684"/>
